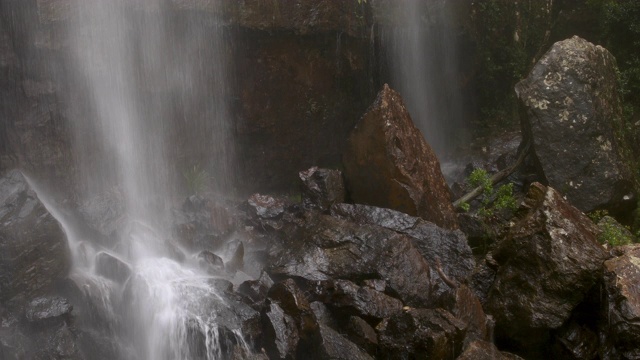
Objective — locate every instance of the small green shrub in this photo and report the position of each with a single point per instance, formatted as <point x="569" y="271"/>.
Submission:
<point x="613" y="233"/>
<point x="491" y="200"/>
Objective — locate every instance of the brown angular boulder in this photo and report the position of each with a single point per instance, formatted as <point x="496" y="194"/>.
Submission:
<point x="389" y="164"/>
<point x="548" y="262"/>
<point x="622" y="305"/>
<point x="573" y="121"/>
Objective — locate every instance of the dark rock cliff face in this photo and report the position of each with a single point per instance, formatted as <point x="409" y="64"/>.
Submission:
<point x="300" y="79"/>
<point x="574" y="123"/>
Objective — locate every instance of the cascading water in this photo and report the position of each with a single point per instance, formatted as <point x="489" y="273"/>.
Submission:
<point x="422" y="53"/>
<point x="133" y="71"/>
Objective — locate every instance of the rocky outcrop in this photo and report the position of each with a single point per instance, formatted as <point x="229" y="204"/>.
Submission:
<point x="574" y="123"/>
<point x="389" y="164"/>
<point x="33" y="248"/>
<point x="621" y="308"/>
<point x="326" y="247"/>
<point x="546" y="265"/>
<point x="437" y="245"/>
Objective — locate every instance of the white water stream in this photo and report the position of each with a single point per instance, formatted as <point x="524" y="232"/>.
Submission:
<point x="130" y="63"/>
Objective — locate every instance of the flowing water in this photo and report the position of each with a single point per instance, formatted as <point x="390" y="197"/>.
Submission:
<point x="133" y="70"/>
<point x="423" y="56"/>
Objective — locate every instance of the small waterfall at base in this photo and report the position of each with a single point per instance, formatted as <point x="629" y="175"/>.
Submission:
<point x="422" y="54"/>
<point x="133" y="70"/>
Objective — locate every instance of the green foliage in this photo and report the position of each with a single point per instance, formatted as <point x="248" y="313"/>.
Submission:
<point x="613" y="233"/>
<point x="597" y="215"/>
<point x="619" y="22"/>
<point x="508" y="36"/>
<point x="491" y="200"/>
<point x="196" y="179"/>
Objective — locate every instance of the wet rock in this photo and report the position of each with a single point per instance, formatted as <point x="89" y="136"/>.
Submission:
<point x="280" y="333"/>
<point x="335" y="346"/>
<point x="421" y="334"/>
<point x="321" y="188"/>
<point x="449" y="247"/>
<point x="323" y="314"/>
<point x="328" y="248"/>
<point x="201" y="223"/>
<point x="482" y="277"/>
<point x="376" y="284"/>
<point x="105" y="213"/>
<point x="575" y="341"/>
<point x="389" y="164"/>
<point x="482" y="350"/>
<point x="621" y="308"/>
<point x="571" y="98"/>
<point x="33" y="248"/>
<point x="63" y="344"/>
<point x="256" y="290"/>
<point x="547" y="264"/>
<point x="47" y="308"/>
<point x="295" y="304"/>
<point x="211" y="262"/>
<point x="362" y="334"/>
<point x="265" y="206"/>
<point x="360" y="301"/>
<point x="468" y="309"/>
<point x="112" y="268"/>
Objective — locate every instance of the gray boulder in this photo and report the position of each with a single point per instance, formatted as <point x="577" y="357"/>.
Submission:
<point x="573" y="123"/>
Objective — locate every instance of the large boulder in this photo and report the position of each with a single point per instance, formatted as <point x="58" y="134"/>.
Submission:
<point x="437" y="245"/>
<point x="573" y="119"/>
<point x="33" y="248"/>
<point x="546" y="265"/>
<point x="389" y="164"/>
<point x="327" y="248"/>
<point x="622" y="305"/>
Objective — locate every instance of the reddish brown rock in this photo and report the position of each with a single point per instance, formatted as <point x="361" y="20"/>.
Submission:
<point x="547" y="264"/>
<point x="622" y="304"/>
<point x="389" y="164"/>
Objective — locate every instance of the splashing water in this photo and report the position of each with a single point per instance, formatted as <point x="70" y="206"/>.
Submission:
<point x="132" y="68"/>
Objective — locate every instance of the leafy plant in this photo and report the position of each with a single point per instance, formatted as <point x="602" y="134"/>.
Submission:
<point x="196" y="179"/>
<point x="614" y="233"/>
<point x="492" y="199"/>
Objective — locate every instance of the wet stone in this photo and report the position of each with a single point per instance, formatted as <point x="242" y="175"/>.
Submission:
<point x="46" y="308"/>
<point x="112" y="268"/>
<point x="210" y="262"/>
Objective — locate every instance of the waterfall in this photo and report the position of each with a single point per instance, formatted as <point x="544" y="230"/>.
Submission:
<point x="141" y="79"/>
<point x="422" y="54"/>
